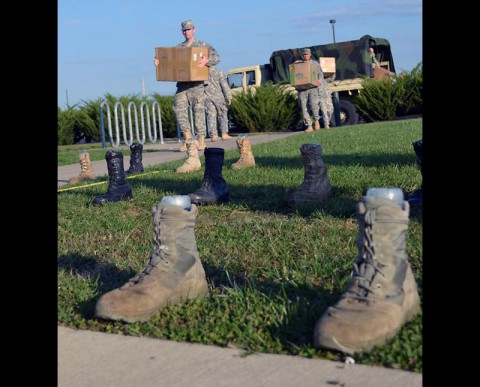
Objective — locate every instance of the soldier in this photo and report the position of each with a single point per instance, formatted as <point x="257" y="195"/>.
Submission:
<point x="308" y="99"/>
<point x="217" y="99"/>
<point x="193" y="92"/>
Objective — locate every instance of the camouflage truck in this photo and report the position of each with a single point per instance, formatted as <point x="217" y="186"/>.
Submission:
<point x="352" y="61"/>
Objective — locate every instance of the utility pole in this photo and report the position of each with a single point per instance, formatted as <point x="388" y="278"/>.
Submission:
<point x="66" y="92"/>
<point x="143" y="88"/>
<point x="332" y="22"/>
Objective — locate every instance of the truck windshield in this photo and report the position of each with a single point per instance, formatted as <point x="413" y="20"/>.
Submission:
<point x="235" y="80"/>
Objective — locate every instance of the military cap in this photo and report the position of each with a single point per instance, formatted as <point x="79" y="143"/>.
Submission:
<point x="304" y="51"/>
<point x="187" y="25"/>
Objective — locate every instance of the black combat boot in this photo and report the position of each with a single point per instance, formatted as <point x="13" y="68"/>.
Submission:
<point x="316" y="186"/>
<point x="214" y="188"/>
<point x="136" y="165"/>
<point x="118" y="187"/>
<point x="416" y="197"/>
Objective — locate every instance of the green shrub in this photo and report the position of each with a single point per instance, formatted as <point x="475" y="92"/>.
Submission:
<point x="388" y="98"/>
<point x="265" y="109"/>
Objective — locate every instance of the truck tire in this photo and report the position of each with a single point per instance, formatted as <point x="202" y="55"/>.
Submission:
<point x="348" y="113"/>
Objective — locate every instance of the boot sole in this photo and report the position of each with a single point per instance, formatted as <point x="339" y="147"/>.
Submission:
<point x="200" y="293"/>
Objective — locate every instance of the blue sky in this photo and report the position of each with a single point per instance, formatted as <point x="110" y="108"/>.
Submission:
<point x="108" y="46"/>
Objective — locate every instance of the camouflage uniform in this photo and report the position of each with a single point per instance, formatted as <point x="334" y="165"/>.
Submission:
<point x="310" y="98"/>
<point x="217" y="93"/>
<point x="193" y="94"/>
<point x="325" y="101"/>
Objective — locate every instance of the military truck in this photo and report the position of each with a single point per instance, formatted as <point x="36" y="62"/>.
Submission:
<point x="352" y="61"/>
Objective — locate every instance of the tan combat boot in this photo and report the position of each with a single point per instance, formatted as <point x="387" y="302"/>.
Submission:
<point x="316" y="187"/>
<point x="192" y="163"/>
<point x="226" y="137"/>
<point x="309" y="129"/>
<point x="174" y="272"/>
<point x="317" y="125"/>
<point x="86" y="169"/>
<point x="186" y="136"/>
<point x="214" y="138"/>
<point x="246" y="157"/>
<point x="201" y="142"/>
<point x="382" y="294"/>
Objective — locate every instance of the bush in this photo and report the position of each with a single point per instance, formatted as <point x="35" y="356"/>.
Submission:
<point x="391" y="97"/>
<point x="265" y="109"/>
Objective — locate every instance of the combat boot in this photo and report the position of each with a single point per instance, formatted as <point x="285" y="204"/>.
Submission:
<point x="316" y="186"/>
<point x="226" y="137"/>
<point x="309" y="129"/>
<point x="382" y="294"/>
<point x="192" y="163"/>
<point x="416" y="197"/>
<point x="136" y="165"/>
<point x="186" y="136"/>
<point x="201" y="142"/>
<point x="246" y="157"/>
<point x="174" y="272"/>
<point x="317" y="125"/>
<point x="214" y="188"/>
<point x="214" y="138"/>
<point x="86" y="169"/>
<point x="118" y="187"/>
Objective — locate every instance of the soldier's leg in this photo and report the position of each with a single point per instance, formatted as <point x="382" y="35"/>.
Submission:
<point x="211" y="113"/>
<point x="180" y="107"/>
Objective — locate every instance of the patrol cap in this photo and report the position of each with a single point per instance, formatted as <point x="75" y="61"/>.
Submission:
<point x="304" y="51"/>
<point x="187" y="25"/>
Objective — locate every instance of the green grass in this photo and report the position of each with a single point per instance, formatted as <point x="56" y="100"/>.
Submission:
<point x="272" y="270"/>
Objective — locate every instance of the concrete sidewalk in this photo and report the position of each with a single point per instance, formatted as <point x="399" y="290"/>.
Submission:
<point x="162" y="153"/>
<point x="96" y="359"/>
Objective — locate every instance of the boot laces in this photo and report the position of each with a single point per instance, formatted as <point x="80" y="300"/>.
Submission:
<point x="365" y="271"/>
<point x="158" y="254"/>
<point x="84" y="165"/>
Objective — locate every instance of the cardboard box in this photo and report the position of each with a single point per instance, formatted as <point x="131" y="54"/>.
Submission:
<point x="180" y="64"/>
<point x="303" y="76"/>
<point x="381" y="73"/>
<point x="328" y="66"/>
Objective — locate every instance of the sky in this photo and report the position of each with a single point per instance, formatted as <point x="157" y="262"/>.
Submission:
<point x="108" y="46"/>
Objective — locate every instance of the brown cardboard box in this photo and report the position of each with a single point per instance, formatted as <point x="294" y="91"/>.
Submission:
<point x="328" y="66"/>
<point x="303" y="76"/>
<point x="380" y="73"/>
<point x="180" y="64"/>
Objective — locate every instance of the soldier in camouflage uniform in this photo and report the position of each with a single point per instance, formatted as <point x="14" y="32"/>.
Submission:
<point x="217" y="99"/>
<point x="192" y="93"/>
<point x="308" y="99"/>
<point x="325" y="101"/>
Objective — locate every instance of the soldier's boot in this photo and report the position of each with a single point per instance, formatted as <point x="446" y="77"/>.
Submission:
<point x="326" y="124"/>
<point x="309" y="129"/>
<point x="317" y="125"/>
<point x="136" y="165"/>
<point x="226" y="137"/>
<point x="174" y="272"/>
<point x="186" y="136"/>
<point x="382" y="294"/>
<point x="118" y="187"/>
<point x="214" y="188"/>
<point x="214" y="138"/>
<point x="86" y="172"/>
<point x="246" y="159"/>
<point x="316" y="186"/>
<point x="201" y="142"/>
<point x="416" y="197"/>
<point x="192" y="163"/>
